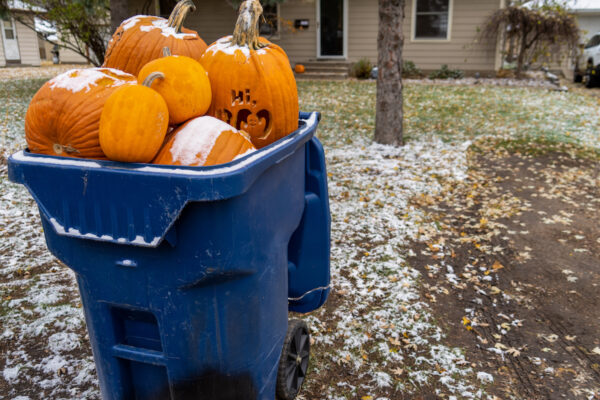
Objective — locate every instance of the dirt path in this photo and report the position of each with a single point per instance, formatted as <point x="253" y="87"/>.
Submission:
<point x="514" y="272"/>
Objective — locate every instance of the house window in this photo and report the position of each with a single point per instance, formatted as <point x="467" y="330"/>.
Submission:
<point x="9" y="33"/>
<point x="432" y="19"/>
<point x="269" y="25"/>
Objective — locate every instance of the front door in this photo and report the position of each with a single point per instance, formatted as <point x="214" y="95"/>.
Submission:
<point x="331" y="28"/>
<point x="9" y="38"/>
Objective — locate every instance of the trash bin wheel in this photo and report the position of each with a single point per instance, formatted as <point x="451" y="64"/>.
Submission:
<point x="294" y="360"/>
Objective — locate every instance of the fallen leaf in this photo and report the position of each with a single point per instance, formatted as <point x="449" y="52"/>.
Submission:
<point x="497" y="266"/>
<point x="513" y="352"/>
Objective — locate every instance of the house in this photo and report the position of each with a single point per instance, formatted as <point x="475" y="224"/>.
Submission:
<point x="436" y="31"/>
<point x="588" y="18"/>
<point x="23" y="46"/>
<point x="19" y="44"/>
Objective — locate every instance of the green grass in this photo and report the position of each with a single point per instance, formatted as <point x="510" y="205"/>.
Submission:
<point x="456" y="112"/>
<point x="522" y="115"/>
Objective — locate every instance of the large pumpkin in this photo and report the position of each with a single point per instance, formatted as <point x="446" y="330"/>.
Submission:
<point x="252" y="82"/>
<point x="185" y="87"/>
<point x="134" y="122"/>
<point x="140" y="39"/>
<point x="204" y="141"/>
<point x="64" y="115"/>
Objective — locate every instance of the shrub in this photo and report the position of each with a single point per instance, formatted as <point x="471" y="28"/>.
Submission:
<point x="362" y="69"/>
<point x="410" y="70"/>
<point x="447" y="73"/>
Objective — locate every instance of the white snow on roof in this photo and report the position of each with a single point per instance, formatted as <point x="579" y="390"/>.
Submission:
<point x="17" y="5"/>
<point x="44" y="27"/>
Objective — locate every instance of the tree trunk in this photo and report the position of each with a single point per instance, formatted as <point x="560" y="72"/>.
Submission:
<point x="119" y="11"/>
<point x="388" y="119"/>
<point x="522" y="54"/>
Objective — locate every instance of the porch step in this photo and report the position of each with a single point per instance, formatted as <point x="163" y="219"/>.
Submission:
<point x="333" y="76"/>
<point x="332" y="64"/>
<point x="325" y="70"/>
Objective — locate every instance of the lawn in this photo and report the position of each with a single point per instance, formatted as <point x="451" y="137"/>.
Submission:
<point x="377" y="337"/>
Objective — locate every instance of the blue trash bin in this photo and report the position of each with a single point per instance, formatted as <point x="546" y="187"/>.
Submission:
<point x="187" y="274"/>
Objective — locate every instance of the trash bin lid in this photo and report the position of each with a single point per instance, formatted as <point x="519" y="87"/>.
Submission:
<point x="91" y="198"/>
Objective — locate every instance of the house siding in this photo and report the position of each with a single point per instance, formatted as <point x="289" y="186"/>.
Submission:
<point x="299" y="45"/>
<point x="215" y="18"/>
<point x="212" y="20"/>
<point x="588" y="24"/>
<point x="67" y="56"/>
<point x="28" y="45"/>
<point x="463" y="50"/>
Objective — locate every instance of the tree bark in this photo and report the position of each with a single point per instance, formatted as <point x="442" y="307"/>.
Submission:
<point x="388" y="118"/>
<point x="119" y="11"/>
<point x="522" y="53"/>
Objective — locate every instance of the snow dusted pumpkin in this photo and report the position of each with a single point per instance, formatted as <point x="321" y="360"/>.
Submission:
<point x="185" y="87"/>
<point x="253" y="86"/>
<point x="204" y="141"/>
<point x="134" y="122"/>
<point x="140" y="39"/>
<point x="64" y="115"/>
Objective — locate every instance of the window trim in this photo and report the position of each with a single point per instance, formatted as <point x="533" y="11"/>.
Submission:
<point x="413" y="28"/>
<point x="278" y="35"/>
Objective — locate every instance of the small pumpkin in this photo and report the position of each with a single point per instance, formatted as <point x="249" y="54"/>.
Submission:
<point x="64" y="115"/>
<point x="140" y="39"/>
<point x="204" y="141"/>
<point x="253" y="86"/>
<point x="185" y="88"/>
<point x="299" y="69"/>
<point x="134" y="122"/>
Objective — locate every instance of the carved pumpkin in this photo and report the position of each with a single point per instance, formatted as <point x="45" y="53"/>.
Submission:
<point x="252" y="82"/>
<point x="64" y="115"/>
<point x="185" y="88"/>
<point x="140" y="39"/>
<point x="299" y="69"/>
<point x="134" y="123"/>
<point x="204" y="141"/>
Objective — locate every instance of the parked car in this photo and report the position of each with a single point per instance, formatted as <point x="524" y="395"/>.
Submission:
<point x="587" y="66"/>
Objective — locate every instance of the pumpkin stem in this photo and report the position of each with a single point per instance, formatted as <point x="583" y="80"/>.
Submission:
<point x="166" y="52"/>
<point x="181" y="10"/>
<point x="246" y="31"/>
<point x="150" y="78"/>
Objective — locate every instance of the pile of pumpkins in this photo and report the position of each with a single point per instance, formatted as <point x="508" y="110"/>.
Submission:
<point x="163" y="96"/>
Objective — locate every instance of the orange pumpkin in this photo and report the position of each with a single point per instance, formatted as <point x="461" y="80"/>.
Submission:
<point x="204" y="141"/>
<point x="134" y="123"/>
<point x="185" y="88"/>
<point x="140" y="39"/>
<point x="299" y="68"/>
<point x="64" y="115"/>
<point x="252" y="82"/>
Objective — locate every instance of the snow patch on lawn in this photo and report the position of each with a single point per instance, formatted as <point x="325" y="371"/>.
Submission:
<point x="380" y="327"/>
